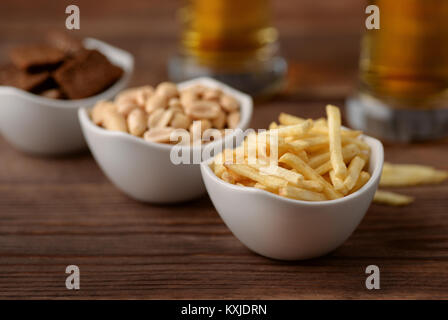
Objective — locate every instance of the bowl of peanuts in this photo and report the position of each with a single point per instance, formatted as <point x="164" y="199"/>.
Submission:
<point x="303" y="193"/>
<point x="149" y="141"/>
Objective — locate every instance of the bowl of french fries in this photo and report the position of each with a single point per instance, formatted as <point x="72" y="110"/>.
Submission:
<point x="142" y="160"/>
<point x="298" y="190"/>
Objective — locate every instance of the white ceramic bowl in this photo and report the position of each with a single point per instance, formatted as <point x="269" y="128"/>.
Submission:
<point x="286" y="229"/>
<point x="142" y="169"/>
<point x="40" y="125"/>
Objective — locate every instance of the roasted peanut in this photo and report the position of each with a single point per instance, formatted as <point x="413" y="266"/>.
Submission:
<point x="165" y="119"/>
<point x="159" y="134"/>
<point x="180" y="121"/>
<point x="176" y="109"/>
<point x="156" y="102"/>
<point x="205" y="124"/>
<point x="112" y="120"/>
<point x="175" y="105"/>
<point x="167" y="90"/>
<point x="211" y="94"/>
<point x="233" y="119"/>
<point x="187" y="98"/>
<point x="137" y="122"/>
<point x="154" y="118"/>
<point x="198" y="89"/>
<point x="127" y="95"/>
<point x="156" y="113"/>
<point x="228" y="103"/>
<point x="143" y="94"/>
<point x="202" y="109"/>
<point x="98" y="111"/>
<point x="220" y="121"/>
<point x="125" y="106"/>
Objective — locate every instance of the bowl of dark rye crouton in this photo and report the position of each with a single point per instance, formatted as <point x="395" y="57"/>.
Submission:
<point x="45" y="84"/>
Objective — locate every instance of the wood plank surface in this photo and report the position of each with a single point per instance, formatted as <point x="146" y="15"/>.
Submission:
<point x="60" y="211"/>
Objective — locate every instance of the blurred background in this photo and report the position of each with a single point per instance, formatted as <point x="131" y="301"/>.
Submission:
<point x="319" y="39"/>
<point x="403" y="89"/>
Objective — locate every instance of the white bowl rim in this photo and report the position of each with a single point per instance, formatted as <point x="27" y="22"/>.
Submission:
<point x="246" y="116"/>
<point x="376" y="172"/>
<point x="127" y="64"/>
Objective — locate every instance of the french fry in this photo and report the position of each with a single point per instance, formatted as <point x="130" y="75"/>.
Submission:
<point x="345" y="134"/>
<point x="238" y="178"/>
<point x="309" y="173"/>
<point x="327" y="178"/>
<point x="295" y="130"/>
<point x="302" y="154"/>
<point x="338" y="183"/>
<point x="402" y="175"/>
<point x="301" y="194"/>
<point x="334" y="134"/>
<point x="320" y="123"/>
<point x="241" y="153"/>
<point x="353" y="171"/>
<point x="287" y="147"/>
<point x="292" y="177"/>
<point x="324" y="168"/>
<point x="246" y="171"/>
<point x="286" y="119"/>
<point x="280" y="172"/>
<point x="364" y="176"/>
<point x="361" y="144"/>
<point x="219" y="169"/>
<point x="348" y="153"/>
<point x="227" y="177"/>
<point x="289" y="120"/>
<point x="246" y="183"/>
<point x="319" y="159"/>
<point x="298" y="158"/>
<point x="255" y="148"/>
<point x="391" y="198"/>
<point x="309" y="143"/>
<point x="311" y="185"/>
<point x="365" y="157"/>
<point x="272" y="137"/>
<point x="273" y="125"/>
<point x="297" y="150"/>
<point x="227" y="156"/>
<point x="262" y="187"/>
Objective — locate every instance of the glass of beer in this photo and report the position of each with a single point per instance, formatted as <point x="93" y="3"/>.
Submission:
<point x="231" y="40"/>
<point x="403" y="92"/>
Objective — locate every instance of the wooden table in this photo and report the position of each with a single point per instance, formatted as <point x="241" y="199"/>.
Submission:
<point x="56" y="212"/>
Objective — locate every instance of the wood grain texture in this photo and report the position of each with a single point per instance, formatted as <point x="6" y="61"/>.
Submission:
<point x="60" y="211"/>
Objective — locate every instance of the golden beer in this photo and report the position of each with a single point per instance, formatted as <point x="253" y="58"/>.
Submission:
<point x="404" y="72"/>
<point x="231" y="40"/>
<point x="221" y="32"/>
